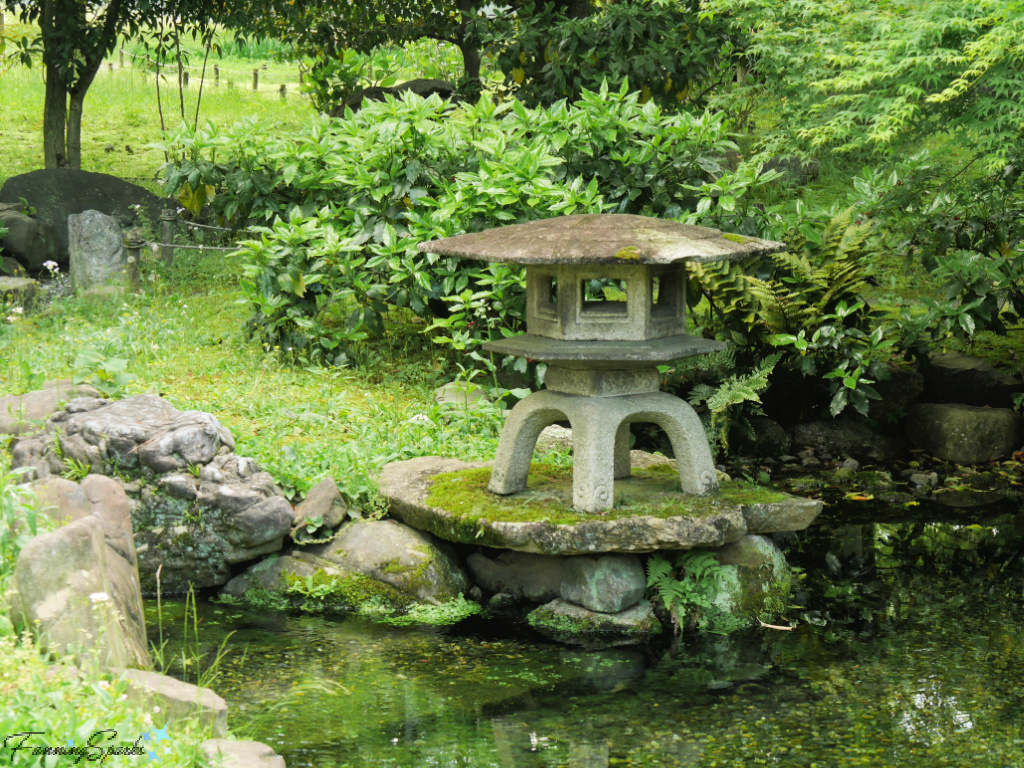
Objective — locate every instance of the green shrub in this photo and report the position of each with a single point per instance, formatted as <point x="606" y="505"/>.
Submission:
<point x="88" y="713"/>
<point x="349" y="200"/>
<point x="670" y="51"/>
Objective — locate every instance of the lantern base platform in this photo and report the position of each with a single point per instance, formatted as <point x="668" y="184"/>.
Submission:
<point x="449" y="499"/>
<point x="600" y="428"/>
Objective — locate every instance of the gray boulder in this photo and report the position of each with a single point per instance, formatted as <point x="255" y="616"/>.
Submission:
<point x="178" y="700"/>
<point x="753" y="584"/>
<point x="198" y="509"/>
<point x="228" y="753"/>
<point x="56" y="193"/>
<point x="607" y="583"/>
<point x="77" y="588"/>
<point x="19" y="412"/>
<point x="29" y="240"/>
<point x="575" y="625"/>
<point x="965" y="434"/>
<point x="845" y="438"/>
<point x="323" y="502"/>
<point x="956" y="378"/>
<point x="96" y="247"/>
<point x="411" y="561"/>
<point x="537" y="578"/>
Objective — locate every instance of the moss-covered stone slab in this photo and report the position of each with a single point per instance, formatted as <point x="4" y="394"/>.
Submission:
<point x="449" y="498"/>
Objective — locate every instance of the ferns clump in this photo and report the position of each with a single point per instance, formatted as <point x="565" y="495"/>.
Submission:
<point x="684" y="586"/>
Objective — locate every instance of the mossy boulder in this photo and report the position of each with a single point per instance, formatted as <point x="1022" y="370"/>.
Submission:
<point x="575" y="625"/>
<point x="300" y="580"/>
<point x="752" y="585"/>
<point x="412" y="562"/>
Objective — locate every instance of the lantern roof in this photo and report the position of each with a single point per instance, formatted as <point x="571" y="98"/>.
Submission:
<point x="601" y="238"/>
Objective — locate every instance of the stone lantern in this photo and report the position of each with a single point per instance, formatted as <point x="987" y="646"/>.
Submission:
<point x="606" y="304"/>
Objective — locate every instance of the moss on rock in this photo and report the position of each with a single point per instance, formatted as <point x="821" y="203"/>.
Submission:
<point x="651" y="491"/>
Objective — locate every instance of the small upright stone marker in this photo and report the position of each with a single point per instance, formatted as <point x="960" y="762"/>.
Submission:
<point x="97" y="249"/>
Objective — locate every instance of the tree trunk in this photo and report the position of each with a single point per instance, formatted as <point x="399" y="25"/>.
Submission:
<point x="75" y="130"/>
<point x="574" y="9"/>
<point x="55" y="110"/>
<point x="469" y="45"/>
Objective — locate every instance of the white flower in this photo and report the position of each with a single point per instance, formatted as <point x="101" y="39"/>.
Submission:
<point x="99" y="597"/>
<point x="419" y="418"/>
<point x="51" y="266"/>
<point x="17" y="310"/>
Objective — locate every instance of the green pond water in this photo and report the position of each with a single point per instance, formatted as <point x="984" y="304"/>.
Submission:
<point x="892" y="664"/>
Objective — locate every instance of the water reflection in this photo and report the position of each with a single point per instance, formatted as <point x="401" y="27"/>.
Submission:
<point x="916" y="663"/>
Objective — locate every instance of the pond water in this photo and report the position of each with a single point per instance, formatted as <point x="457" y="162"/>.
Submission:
<point x="891" y="664"/>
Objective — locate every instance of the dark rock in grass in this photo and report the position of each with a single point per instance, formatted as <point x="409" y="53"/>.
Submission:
<point x="18" y="292"/>
<point x="56" y="193"/>
<point x="198" y="509"/>
<point x="846" y="438"/>
<point x="10" y="266"/>
<point x="965" y="434"/>
<point x="421" y="87"/>
<point x="956" y="378"/>
<point x="31" y="241"/>
<point x="521" y="574"/>
<point x="575" y="625"/>
<point x="608" y="584"/>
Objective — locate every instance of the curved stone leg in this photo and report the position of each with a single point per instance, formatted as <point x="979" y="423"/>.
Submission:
<point x="527" y="420"/>
<point x="686" y="433"/>
<point x="595" y="430"/>
<point x="622" y="461"/>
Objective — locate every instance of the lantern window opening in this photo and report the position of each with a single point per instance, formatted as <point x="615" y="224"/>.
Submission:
<point x="604" y="296"/>
<point x="665" y="292"/>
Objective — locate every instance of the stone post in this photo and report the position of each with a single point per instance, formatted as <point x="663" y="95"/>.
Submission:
<point x="216" y="74"/>
<point x="255" y="79"/>
<point x="167" y="219"/>
<point x="133" y="244"/>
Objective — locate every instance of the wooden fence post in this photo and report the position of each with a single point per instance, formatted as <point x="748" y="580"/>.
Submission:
<point x="255" y="79"/>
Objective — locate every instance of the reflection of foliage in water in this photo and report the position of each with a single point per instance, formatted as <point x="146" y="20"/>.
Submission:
<point x="921" y="672"/>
